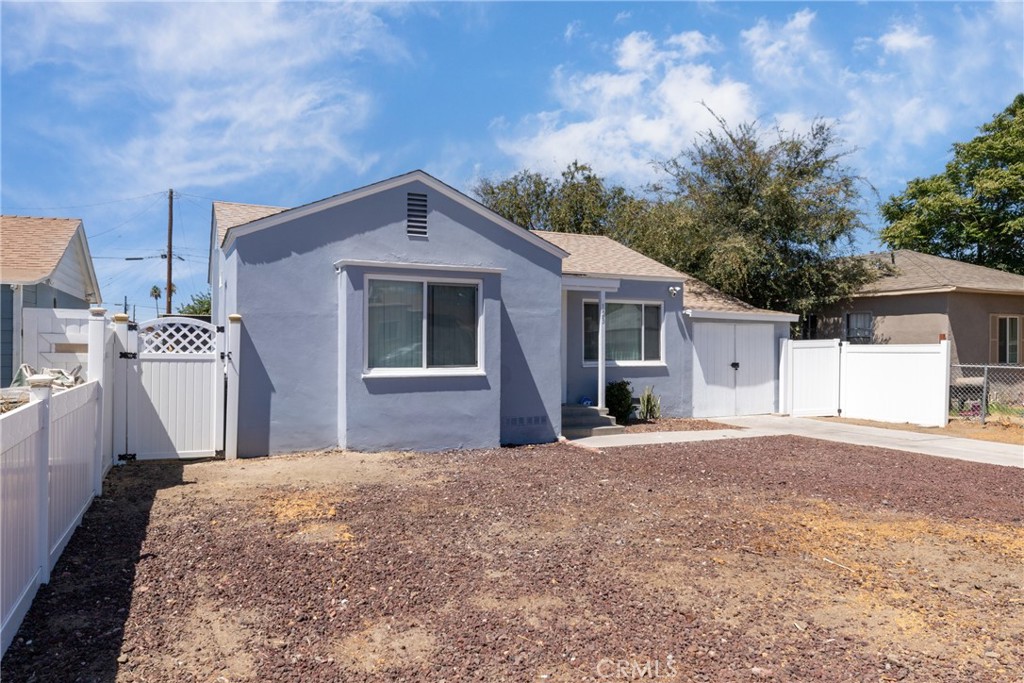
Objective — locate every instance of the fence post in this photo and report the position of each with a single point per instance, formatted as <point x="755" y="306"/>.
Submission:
<point x="983" y="408"/>
<point x="40" y="386"/>
<point x="231" y="428"/>
<point x="119" y="404"/>
<point x="97" y="365"/>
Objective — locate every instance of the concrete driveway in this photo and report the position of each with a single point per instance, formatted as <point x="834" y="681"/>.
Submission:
<point x="1009" y="455"/>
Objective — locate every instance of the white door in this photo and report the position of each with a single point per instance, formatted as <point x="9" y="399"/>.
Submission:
<point x="734" y="369"/>
<point x="168" y="388"/>
<point x="755" y="376"/>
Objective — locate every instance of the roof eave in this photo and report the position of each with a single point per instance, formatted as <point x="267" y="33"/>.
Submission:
<point x="752" y="316"/>
<point x="623" y="276"/>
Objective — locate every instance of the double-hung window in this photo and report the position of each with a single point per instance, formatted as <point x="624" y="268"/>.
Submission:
<point x="632" y="332"/>
<point x="859" y="328"/>
<point x="1007" y="341"/>
<point x="427" y="325"/>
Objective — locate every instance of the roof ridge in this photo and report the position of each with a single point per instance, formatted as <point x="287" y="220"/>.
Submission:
<point x="937" y="276"/>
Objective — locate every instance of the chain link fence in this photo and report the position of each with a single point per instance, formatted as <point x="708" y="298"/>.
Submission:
<point x="987" y="392"/>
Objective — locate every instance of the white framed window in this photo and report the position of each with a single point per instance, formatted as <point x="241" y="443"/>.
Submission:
<point x="423" y="326"/>
<point x="859" y="328"/>
<point x="1006" y="346"/>
<point x="633" y="332"/>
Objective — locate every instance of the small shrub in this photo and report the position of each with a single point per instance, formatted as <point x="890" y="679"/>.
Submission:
<point x="619" y="398"/>
<point x="650" y="405"/>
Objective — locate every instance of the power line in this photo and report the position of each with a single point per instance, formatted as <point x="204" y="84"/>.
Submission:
<point x="79" y="206"/>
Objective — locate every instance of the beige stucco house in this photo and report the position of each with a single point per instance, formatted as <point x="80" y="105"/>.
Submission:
<point x="927" y="298"/>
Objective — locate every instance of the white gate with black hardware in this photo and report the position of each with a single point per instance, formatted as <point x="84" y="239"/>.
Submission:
<point x="169" y="390"/>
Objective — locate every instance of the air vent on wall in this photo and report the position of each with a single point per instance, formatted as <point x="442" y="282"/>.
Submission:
<point x="416" y="214"/>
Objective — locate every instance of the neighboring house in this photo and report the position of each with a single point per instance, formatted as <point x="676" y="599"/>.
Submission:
<point x="44" y="263"/>
<point x="407" y="315"/>
<point x="927" y="298"/>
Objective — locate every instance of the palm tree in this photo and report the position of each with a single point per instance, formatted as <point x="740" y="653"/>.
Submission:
<point x="155" y="293"/>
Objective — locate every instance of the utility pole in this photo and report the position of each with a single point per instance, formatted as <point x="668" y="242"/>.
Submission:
<point x="126" y="304"/>
<point x="170" y="246"/>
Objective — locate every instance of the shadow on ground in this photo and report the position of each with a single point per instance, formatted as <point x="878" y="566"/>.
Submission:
<point x="89" y="595"/>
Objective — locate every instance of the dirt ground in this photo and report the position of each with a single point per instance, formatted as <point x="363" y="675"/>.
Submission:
<point x="993" y="430"/>
<point x="753" y="559"/>
<point x="675" y="424"/>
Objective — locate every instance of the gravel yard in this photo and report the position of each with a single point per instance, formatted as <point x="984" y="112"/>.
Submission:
<point x="753" y="559"/>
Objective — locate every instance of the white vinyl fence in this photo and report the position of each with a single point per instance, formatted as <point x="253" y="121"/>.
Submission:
<point x="883" y="382"/>
<point x="54" y="452"/>
<point x="55" y="338"/>
<point x="51" y="467"/>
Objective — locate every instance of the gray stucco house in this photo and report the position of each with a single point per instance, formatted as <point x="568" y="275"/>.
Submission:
<point x="44" y="263"/>
<point x="406" y="315"/>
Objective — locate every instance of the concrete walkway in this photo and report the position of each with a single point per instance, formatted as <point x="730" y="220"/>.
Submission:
<point x="776" y="425"/>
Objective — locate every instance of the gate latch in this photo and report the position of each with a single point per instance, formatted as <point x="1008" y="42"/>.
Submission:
<point x="128" y="354"/>
<point x="735" y="365"/>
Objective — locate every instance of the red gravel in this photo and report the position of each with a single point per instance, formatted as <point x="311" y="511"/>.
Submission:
<point x="754" y="559"/>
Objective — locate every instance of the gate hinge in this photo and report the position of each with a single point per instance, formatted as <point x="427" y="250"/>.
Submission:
<point x="220" y="328"/>
<point x="223" y="355"/>
<point x="128" y="354"/>
<point x="133" y="326"/>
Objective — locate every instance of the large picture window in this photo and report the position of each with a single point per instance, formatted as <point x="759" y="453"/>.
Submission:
<point x="421" y="324"/>
<point x="632" y="332"/>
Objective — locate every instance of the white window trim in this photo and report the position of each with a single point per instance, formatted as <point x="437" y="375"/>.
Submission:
<point x="609" y="363"/>
<point x="1020" y="338"/>
<point x="423" y="370"/>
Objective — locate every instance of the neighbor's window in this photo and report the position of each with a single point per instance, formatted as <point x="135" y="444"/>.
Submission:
<point x="859" y="328"/>
<point x="1008" y="340"/>
<point x="421" y="324"/>
<point x="632" y="331"/>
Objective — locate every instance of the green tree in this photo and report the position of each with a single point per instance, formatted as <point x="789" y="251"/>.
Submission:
<point x="769" y="219"/>
<point x="579" y="201"/>
<point x="974" y="210"/>
<point x="199" y="305"/>
<point x="154" y="292"/>
<point x="524" y="198"/>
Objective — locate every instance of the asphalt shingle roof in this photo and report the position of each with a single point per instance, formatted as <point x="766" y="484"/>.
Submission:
<point x="597" y="255"/>
<point x="31" y="247"/>
<point x="229" y="215"/>
<point x="916" y="271"/>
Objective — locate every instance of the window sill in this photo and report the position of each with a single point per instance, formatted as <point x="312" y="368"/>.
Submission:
<point x="627" y="364"/>
<point x="423" y="372"/>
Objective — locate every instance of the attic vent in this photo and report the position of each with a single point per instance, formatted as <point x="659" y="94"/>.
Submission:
<point x="416" y="214"/>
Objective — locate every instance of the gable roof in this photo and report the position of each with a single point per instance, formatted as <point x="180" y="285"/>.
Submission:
<point x="918" y="273"/>
<point x="269" y="220"/>
<point x="31" y="248"/>
<point x="228" y="215"/>
<point x="600" y="256"/>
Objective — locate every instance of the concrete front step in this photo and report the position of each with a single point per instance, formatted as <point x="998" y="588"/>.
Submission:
<point x="584" y="432"/>
<point x="583" y="421"/>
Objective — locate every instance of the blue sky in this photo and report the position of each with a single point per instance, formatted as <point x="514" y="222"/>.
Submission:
<point x="106" y="106"/>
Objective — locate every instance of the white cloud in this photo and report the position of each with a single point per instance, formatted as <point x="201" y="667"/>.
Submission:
<point x="648" y="107"/>
<point x="902" y="39"/>
<point x="622" y="17"/>
<point x="219" y="92"/>
<point x="694" y="44"/>
<point x="783" y="55"/>
<point x="572" y="30"/>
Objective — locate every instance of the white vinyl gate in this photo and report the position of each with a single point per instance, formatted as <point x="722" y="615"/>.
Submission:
<point x="733" y="369"/>
<point x="169" y="383"/>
